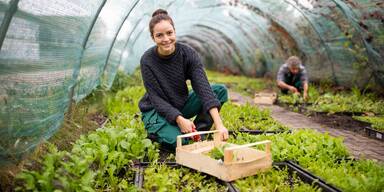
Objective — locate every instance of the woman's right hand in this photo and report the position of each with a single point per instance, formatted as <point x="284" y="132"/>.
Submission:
<point x="185" y="125"/>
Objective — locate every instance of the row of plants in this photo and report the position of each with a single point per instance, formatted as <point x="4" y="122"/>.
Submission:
<point x="160" y="177"/>
<point x="323" y="155"/>
<point x="249" y="117"/>
<point x="98" y="161"/>
<point x="240" y="84"/>
<point x="294" y="100"/>
<point x="377" y="122"/>
<point x="365" y="107"/>
<point x="352" y="102"/>
<point x="339" y="102"/>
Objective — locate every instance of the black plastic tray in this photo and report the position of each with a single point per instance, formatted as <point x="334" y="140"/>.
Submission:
<point x="292" y="167"/>
<point x="306" y="176"/>
<point x="374" y="133"/>
<point x="139" y="175"/>
<point x="259" y="132"/>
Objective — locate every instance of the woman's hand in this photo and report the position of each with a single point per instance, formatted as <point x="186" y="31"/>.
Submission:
<point x="223" y="132"/>
<point x="219" y="124"/>
<point x="185" y="125"/>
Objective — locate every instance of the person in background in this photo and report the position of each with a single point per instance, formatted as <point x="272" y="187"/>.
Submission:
<point x="292" y="77"/>
<point x="167" y="105"/>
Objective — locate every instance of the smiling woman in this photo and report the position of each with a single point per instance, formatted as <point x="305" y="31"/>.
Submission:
<point x="167" y="104"/>
<point x="165" y="36"/>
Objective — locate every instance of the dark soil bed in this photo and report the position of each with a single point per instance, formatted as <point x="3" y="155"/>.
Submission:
<point x="339" y="121"/>
<point x="335" y="121"/>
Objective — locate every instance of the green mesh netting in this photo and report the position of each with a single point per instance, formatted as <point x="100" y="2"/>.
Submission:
<point x="54" y="52"/>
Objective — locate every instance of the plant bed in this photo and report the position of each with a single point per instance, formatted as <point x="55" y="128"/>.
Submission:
<point x="307" y="176"/>
<point x="296" y="107"/>
<point x="347" y="122"/>
<point x="340" y="120"/>
<point x="374" y="133"/>
<point x="296" y="177"/>
<point x="249" y="117"/>
<point x="258" y="132"/>
<point x="377" y="122"/>
<point x="319" y="153"/>
<point x="169" y="176"/>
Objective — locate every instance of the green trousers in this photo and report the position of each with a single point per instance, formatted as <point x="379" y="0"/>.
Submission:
<point x="165" y="133"/>
<point x="293" y="80"/>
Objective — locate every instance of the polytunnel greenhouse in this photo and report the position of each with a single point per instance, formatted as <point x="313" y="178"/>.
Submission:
<point x="71" y="82"/>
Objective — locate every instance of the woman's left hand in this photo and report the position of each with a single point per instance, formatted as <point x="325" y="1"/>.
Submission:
<point x="223" y="132"/>
<point x="219" y="124"/>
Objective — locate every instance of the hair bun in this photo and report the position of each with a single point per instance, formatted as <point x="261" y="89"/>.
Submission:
<point x="159" y="12"/>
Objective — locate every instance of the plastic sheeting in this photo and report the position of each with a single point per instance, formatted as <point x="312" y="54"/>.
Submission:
<point x="55" y="52"/>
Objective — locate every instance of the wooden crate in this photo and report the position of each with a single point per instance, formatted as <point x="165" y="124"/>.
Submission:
<point x="239" y="160"/>
<point x="265" y="98"/>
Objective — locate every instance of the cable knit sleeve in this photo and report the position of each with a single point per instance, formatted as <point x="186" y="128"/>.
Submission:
<point x="200" y="82"/>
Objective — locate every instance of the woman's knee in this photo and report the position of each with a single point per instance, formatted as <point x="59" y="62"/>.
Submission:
<point x="221" y="92"/>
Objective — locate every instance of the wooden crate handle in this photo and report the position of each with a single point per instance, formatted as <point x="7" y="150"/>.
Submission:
<point x="228" y="152"/>
<point x="178" y="140"/>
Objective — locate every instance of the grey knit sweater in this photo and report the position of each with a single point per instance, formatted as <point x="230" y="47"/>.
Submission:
<point x="165" y="81"/>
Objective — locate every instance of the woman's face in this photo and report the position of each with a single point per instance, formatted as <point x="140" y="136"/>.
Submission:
<point x="164" y="37"/>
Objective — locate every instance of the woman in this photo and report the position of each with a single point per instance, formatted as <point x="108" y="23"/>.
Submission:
<point x="167" y="106"/>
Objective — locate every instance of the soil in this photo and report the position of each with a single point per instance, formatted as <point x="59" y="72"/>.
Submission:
<point x="335" y="121"/>
<point x="340" y="121"/>
<point x="99" y="118"/>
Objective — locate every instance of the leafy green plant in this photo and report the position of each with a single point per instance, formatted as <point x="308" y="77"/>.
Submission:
<point x="218" y="152"/>
<point x="273" y="180"/>
<point x="99" y="160"/>
<point x="249" y="117"/>
<point x="354" y="102"/>
<point x="160" y="177"/>
<point x="293" y="99"/>
<point x="319" y="153"/>
<point x="355" y="176"/>
<point x="125" y="101"/>
<point x="241" y="84"/>
<point x="123" y="80"/>
<point x="377" y="122"/>
<point x="302" y="145"/>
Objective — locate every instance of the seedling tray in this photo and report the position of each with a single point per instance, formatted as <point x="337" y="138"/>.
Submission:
<point x="259" y="132"/>
<point x="374" y="133"/>
<point x="307" y="177"/>
<point x="139" y="175"/>
<point x="292" y="167"/>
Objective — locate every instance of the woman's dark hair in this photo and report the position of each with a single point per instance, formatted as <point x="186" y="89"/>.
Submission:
<point x="157" y="16"/>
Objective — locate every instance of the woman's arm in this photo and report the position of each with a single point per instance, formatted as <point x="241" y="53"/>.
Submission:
<point x="218" y="123"/>
<point x="156" y="95"/>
